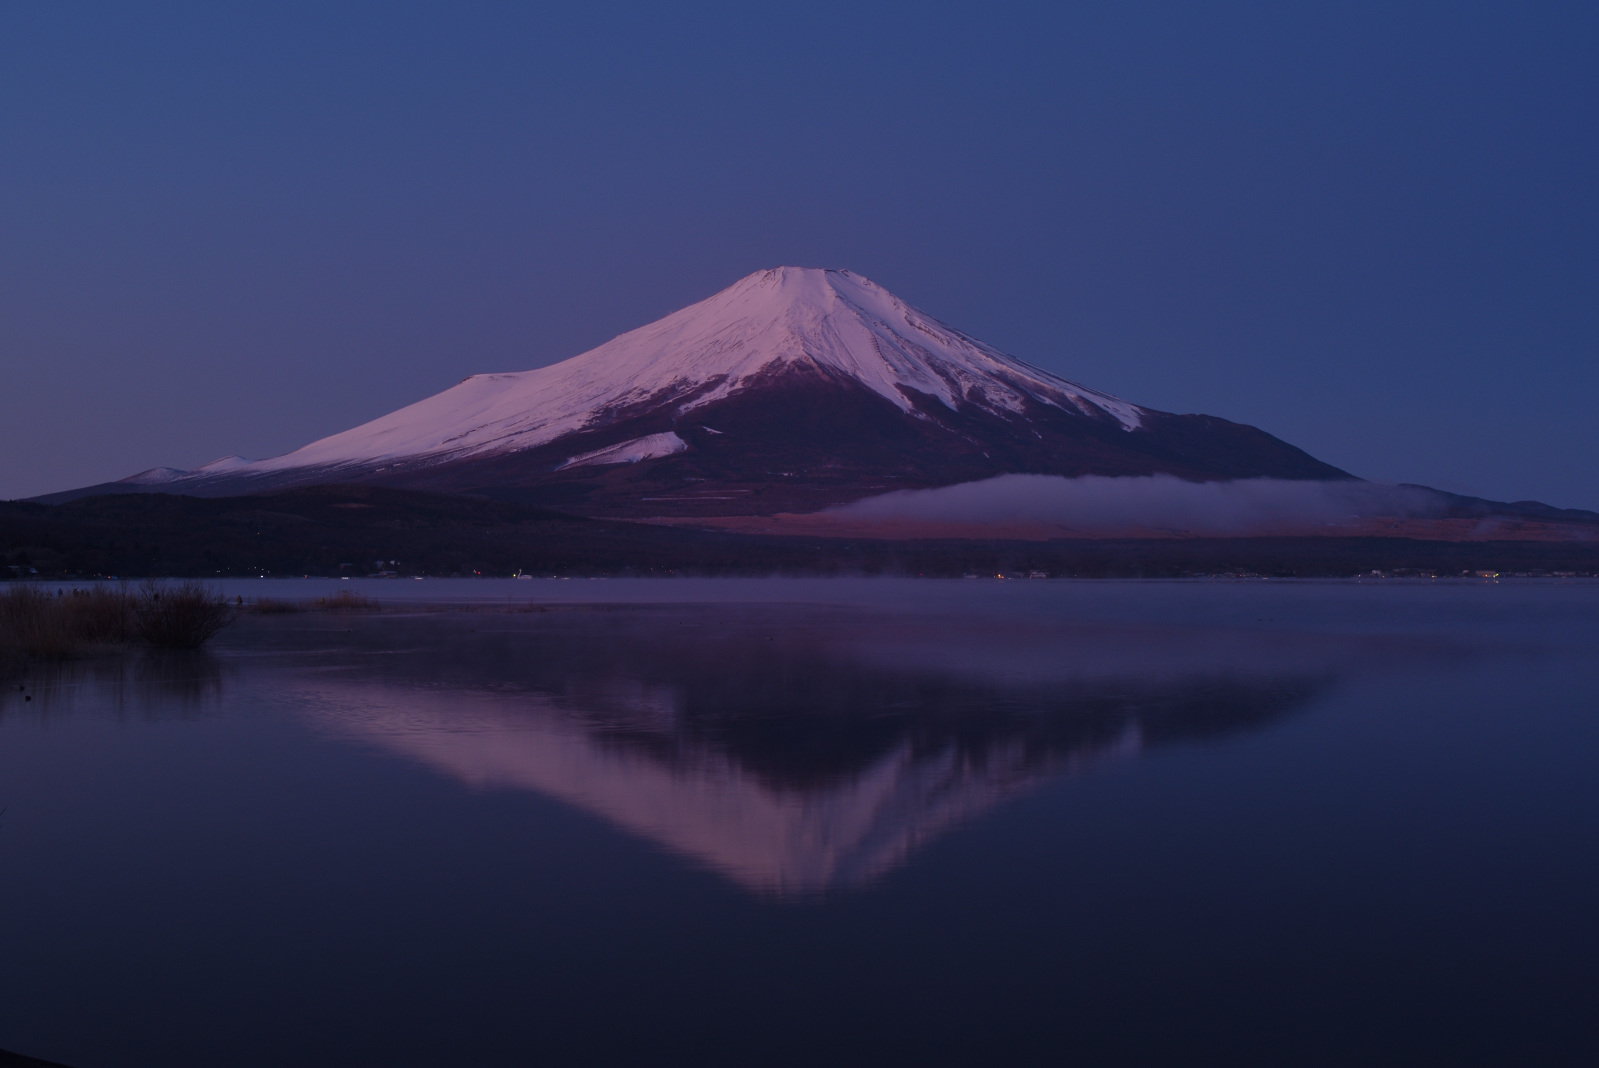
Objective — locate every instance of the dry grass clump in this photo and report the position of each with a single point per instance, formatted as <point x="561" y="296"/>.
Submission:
<point x="342" y="600"/>
<point x="183" y="616"/>
<point x="346" y="599"/>
<point x="99" y="615"/>
<point x="29" y="627"/>
<point x="36" y="625"/>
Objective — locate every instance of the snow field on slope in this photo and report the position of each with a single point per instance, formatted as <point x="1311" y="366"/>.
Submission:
<point x="785" y="317"/>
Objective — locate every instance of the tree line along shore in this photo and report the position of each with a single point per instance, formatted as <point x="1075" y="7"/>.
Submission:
<point x="360" y="530"/>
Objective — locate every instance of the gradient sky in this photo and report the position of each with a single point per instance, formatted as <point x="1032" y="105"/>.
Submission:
<point x="1370" y="229"/>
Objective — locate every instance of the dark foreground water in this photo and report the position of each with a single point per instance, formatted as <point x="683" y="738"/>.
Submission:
<point x="768" y="823"/>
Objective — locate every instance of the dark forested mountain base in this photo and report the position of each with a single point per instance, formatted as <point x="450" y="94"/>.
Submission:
<point x="804" y="442"/>
<point x="360" y="530"/>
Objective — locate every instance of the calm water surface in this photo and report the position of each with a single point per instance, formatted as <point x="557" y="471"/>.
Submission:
<point x="808" y="822"/>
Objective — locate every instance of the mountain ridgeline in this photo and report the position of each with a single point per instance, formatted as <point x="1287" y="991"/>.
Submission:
<point x="790" y="391"/>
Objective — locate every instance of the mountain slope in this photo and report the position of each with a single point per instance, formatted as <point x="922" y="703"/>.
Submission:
<point x="792" y="389"/>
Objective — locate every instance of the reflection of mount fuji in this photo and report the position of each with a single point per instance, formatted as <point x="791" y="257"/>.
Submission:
<point x="799" y="757"/>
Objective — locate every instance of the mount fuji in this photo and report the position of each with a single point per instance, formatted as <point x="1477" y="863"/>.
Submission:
<point x="791" y="390"/>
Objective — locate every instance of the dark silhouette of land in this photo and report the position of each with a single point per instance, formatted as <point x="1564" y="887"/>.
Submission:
<point x="361" y="530"/>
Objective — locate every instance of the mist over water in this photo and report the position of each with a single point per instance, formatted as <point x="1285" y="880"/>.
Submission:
<point x="1158" y="501"/>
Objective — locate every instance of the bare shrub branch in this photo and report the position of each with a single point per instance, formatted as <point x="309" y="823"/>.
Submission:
<point x="181" y="616"/>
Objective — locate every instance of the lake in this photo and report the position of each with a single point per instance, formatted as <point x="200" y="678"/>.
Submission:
<point x="800" y="822"/>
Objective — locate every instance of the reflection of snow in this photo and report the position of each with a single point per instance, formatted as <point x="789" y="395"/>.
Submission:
<point x="822" y="759"/>
<point x="704" y="804"/>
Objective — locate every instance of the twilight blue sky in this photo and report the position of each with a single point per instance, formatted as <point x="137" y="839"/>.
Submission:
<point x="1371" y="229"/>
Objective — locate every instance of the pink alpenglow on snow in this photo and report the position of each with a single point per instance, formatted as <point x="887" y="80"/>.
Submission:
<point x="791" y="390"/>
<point x="784" y="317"/>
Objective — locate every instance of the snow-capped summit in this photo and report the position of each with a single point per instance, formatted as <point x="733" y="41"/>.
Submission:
<point x="155" y="476"/>
<point x="788" y="318"/>
<point x="793" y="387"/>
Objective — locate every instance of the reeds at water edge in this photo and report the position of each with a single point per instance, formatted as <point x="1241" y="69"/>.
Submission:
<point x="182" y="616"/>
<point x="34" y="625"/>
